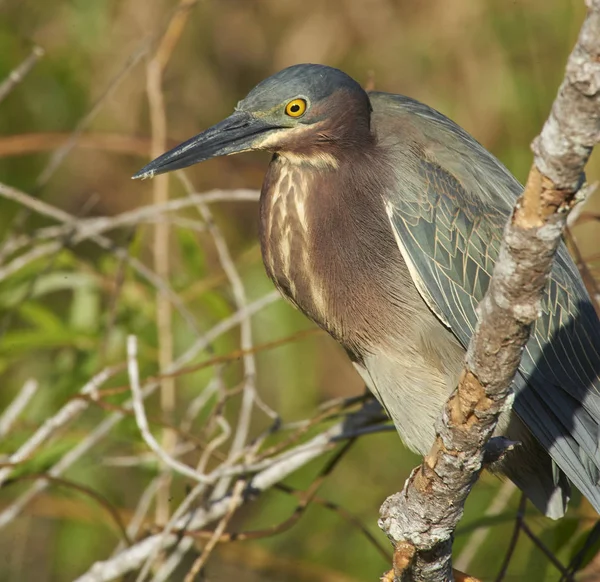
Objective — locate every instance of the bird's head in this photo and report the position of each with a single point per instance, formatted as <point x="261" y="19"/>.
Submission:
<point x="308" y="113"/>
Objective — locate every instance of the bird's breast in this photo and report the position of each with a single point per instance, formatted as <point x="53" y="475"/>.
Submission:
<point x="286" y="237"/>
<point x="328" y="246"/>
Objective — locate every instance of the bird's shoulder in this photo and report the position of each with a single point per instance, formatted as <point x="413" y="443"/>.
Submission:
<point x="448" y="203"/>
<point x="417" y="135"/>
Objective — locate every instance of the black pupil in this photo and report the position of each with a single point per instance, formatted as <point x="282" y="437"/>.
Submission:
<point x="295" y="108"/>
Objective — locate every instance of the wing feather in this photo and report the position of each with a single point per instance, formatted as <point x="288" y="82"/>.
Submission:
<point x="451" y="239"/>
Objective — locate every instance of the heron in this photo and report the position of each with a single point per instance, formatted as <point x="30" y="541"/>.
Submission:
<point x="381" y="220"/>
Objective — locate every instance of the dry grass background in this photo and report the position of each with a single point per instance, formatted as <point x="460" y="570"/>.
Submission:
<point x="493" y="66"/>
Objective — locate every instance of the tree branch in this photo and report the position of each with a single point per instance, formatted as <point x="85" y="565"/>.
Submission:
<point x="421" y="520"/>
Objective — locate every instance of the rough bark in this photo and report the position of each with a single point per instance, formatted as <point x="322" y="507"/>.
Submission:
<point x="422" y="518"/>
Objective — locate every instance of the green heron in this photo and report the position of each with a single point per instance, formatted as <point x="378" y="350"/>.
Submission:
<point x="381" y="220"/>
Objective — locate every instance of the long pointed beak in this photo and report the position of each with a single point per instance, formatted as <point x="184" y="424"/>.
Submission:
<point x="238" y="133"/>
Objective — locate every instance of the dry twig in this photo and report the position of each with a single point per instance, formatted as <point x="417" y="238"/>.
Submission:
<point x="18" y="74"/>
<point x="65" y="415"/>
<point x="142" y="422"/>
<point x="19" y="403"/>
<point x="70" y="410"/>
<point x="214" y="539"/>
<point x="69" y="220"/>
<point x="279" y="468"/>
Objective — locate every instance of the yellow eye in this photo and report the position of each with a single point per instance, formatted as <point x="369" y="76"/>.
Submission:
<point x="295" y="108"/>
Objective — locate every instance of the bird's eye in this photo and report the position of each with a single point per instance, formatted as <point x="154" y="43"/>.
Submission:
<point x="295" y="108"/>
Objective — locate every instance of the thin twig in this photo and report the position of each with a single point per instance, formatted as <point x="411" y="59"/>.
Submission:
<point x="202" y="343"/>
<point x="19" y="73"/>
<point x="83" y="447"/>
<point x="161" y="258"/>
<point x="18" y="404"/>
<point x="161" y="238"/>
<point x="48" y="210"/>
<point x="47" y="268"/>
<point x="347" y="516"/>
<point x="82" y="229"/>
<point x="166" y="538"/>
<point x="61" y="153"/>
<point x="132" y="558"/>
<point x="215" y="443"/>
<point x="140" y="512"/>
<point x="512" y="545"/>
<point x="546" y="551"/>
<point x="31" y="143"/>
<point x="249" y="396"/>
<point x="306" y="497"/>
<point x="88" y="491"/>
<point x="66" y="414"/>
<point x="214" y="540"/>
<point x="239" y="294"/>
<point x="199" y="402"/>
<point x="147" y="458"/>
<point x="142" y="421"/>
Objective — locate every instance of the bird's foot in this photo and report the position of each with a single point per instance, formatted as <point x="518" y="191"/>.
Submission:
<point x="496" y="449"/>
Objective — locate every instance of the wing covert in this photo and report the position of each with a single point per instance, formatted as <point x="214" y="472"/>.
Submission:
<point x="450" y="244"/>
<point x="450" y="240"/>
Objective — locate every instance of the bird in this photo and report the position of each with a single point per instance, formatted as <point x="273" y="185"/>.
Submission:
<point x="381" y="220"/>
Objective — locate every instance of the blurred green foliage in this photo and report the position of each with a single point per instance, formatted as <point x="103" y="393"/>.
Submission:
<point x="493" y="66"/>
